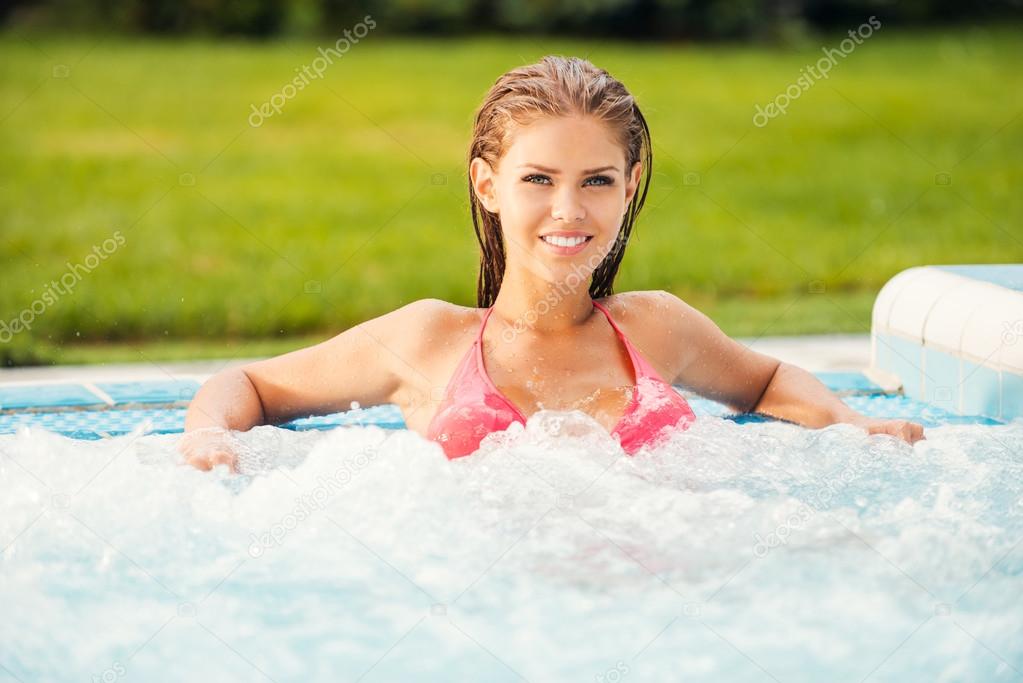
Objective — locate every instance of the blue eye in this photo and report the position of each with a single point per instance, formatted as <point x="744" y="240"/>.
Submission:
<point x="604" y="180"/>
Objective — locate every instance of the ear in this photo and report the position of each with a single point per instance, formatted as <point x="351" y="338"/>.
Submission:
<point x="632" y="184"/>
<point x="481" y="175"/>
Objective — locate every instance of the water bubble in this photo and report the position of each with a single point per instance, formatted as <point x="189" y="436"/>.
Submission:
<point x="546" y="526"/>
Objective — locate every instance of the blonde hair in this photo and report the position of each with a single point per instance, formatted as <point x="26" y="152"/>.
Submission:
<point x="555" y="86"/>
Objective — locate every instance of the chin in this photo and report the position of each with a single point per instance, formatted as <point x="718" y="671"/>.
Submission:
<point x="570" y="274"/>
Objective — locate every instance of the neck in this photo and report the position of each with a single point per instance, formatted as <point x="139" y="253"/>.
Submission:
<point x="542" y="306"/>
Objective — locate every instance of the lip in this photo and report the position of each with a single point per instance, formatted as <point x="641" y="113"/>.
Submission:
<point x="566" y="233"/>
<point x="565" y="251"/>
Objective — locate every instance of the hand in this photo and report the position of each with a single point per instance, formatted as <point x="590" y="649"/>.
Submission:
<point x="206" y="448"/>
<point x="910" y="432"/>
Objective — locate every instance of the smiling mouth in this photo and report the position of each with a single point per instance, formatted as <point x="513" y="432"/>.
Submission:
<point x="560" y="241"/>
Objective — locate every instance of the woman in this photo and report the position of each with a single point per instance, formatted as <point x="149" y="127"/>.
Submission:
<point x="557" y="156"/>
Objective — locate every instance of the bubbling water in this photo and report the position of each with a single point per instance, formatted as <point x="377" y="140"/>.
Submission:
<point x="724" y="552"/>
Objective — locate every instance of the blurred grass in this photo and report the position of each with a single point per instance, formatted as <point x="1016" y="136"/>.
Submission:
<point x="351" y="202"/>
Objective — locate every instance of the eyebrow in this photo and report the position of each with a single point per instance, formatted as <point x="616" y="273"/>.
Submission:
<point x="556" y="172"/>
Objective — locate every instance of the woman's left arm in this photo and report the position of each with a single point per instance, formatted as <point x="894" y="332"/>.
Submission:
<point x="718" y="367"/>
<point x="796" y="395"/>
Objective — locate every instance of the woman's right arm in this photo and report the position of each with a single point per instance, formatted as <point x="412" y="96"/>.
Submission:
<point x="368" y="364"/>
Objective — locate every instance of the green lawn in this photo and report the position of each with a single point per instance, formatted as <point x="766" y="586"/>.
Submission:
<point x="351" y="202"/>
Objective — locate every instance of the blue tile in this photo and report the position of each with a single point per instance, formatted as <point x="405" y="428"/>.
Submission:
<point x="904" y="408"/>
<point x="851" y="382"/>
<point x="902" y="358"/>
<point x="981" y="390"/>
<point x="96" y="424"/>
<point x="42" y="395"/>
<point x="906" y="360"/>
<point x="1009" y="275"/>
<point x="99" y="422"/>
<point x="384" y="416"/>
<point x="941" y="379"/>
<point x="166" y="391"/>
<point x="1012" y="396"/>
<point x="883" y="352"/>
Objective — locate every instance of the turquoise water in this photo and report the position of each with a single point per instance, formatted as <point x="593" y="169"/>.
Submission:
<point x="738" y="550"/>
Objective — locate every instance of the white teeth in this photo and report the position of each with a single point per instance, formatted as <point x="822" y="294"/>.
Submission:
<point x="559" y="241"/>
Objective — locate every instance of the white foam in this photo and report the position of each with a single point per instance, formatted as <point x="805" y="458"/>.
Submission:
<point x="548" y="554"/>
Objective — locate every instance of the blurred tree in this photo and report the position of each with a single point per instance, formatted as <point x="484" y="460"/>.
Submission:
<point x="690" y="19"/>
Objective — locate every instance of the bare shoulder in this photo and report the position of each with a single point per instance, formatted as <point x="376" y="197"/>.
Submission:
<point x="652" y="310"/>
<point x="434" y="316"/>
<point x="661" y="325"/>
<point x="427" y="326"/>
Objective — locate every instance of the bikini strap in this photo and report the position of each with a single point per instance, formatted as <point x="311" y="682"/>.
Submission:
<point x="640" y="365"/>
<point x="479" y="334"/>
<point x="607" y="315"/>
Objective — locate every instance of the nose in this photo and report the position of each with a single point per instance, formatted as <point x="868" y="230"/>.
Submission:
<point x="567" y="206"/>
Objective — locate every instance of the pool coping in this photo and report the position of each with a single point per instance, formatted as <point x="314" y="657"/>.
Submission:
<point x="92" y="402"/>
<point x="839" y="360"/>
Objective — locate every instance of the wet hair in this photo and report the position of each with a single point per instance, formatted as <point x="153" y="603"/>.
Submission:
<point x="555" y="86"/>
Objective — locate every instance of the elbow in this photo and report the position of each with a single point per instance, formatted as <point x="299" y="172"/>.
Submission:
<point x="775" y="372"/>
<point x="229" y="400"/>
<point x="258" y="403"/>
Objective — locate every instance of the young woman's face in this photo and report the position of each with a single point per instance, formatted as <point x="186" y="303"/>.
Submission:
<point x="561" y="191"/>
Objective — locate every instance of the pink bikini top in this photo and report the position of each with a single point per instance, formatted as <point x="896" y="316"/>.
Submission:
<point x="473" y="406"/>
